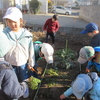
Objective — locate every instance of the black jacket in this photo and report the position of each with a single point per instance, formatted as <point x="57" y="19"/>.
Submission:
<point x="95" y="41"/>
<point x="10" y="87"/>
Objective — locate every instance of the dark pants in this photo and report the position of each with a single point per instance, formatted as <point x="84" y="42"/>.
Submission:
<point x="21" y="72"/>
<point x="52" y="37"/>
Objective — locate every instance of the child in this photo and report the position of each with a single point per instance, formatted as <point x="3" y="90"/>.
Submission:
<point x="92" y="30"/>
<point x="43" y="50"/>
<point x="94" y="63"/>
<point x="21" y="54"/>
<point x="85" y="85"/>
<point x="51" y="27"/>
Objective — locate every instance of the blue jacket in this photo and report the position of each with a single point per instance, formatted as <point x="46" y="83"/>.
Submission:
<point x="10" y="88"/>
<point x="91" y="63"/>
<point x="95" y="41"/>
<point x="22" y="50"/>
<point x="95" y="91"/>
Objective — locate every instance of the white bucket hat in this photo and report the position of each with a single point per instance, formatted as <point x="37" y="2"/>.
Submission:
<point x="81" y="85"/>
<point x="13" y="13"/>
<point x="48" y="51"/>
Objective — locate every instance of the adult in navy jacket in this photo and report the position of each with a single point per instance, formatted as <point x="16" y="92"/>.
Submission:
<point x="10" y="88"/>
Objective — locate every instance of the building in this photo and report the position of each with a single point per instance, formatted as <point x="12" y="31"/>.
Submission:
<point x="89" y="2"/>
<point x="44" y="6"/>
<point x="65" y="3"/>
<point x="95" y="2"/>
<point x="84" y="2"/>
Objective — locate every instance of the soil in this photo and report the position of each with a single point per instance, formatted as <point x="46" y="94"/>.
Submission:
<point x="65" y="76"/>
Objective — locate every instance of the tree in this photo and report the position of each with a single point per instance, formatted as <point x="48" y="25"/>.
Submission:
<point x="77" y="3"/>
<point x="49" y="4"/>
<point x="35" y="6"/>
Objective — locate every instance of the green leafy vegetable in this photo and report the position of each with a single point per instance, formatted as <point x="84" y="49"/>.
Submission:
<point x="33" y="82"/>
<point x="52" y="72"/>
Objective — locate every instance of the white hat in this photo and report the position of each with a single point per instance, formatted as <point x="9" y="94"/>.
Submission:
<point x="81" y="85"/>
<point x="13" y="13"/>
<point x="48" y="51"/>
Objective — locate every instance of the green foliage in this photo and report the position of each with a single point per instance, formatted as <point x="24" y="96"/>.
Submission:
<point x="64" y="57"/>
<point x="50" y="4"/>
<point x="35" y="6"/>
<point x="52" y="72"/>
<point x="50" y="82"/>
<point x="77" y="3"/>
<point x="33" y="82"/>
<point x="65" y="53"/>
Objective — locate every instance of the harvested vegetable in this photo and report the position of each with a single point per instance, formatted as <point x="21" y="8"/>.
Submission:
<point x="33" y="82"/>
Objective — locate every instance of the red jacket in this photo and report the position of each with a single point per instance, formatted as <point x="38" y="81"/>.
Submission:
<point x="51" y="27"/>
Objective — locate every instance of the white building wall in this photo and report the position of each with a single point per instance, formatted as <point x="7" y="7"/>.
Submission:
<point x="44" y="6"/>
<point x="90" y="13"/>
<point x="18" y="4"/>
<point x="99" y="2"/>
<point x="1" y="4"/>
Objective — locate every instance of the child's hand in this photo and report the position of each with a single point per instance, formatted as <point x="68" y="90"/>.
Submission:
<point x="32" y="69"/>
<point x="26" y="80"/>
<point x="62" y="96"/>
<point x="87" y="70"/>
<point x="29" y="67"/>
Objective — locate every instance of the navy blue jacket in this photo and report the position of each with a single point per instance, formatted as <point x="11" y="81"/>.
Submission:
<point x="95" y="41"/>
<point x="10" y="87"/>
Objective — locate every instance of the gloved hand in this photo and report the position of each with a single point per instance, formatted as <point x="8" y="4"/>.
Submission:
<point x="26" y="93"/>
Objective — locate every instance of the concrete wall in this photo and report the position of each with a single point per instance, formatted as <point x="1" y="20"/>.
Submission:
<point x="44" y="6"/>
<point x="90" y="13"/>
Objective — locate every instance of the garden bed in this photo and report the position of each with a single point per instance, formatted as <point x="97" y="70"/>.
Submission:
<point x="54" y="84"/>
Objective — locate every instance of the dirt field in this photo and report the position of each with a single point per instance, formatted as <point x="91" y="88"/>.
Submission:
<point x="53" y="86"/>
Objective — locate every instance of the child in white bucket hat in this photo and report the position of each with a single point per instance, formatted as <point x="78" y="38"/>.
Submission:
<point x="43" y="50"/>
<point x="21" y="54"/>
<point x="84" y="84"/>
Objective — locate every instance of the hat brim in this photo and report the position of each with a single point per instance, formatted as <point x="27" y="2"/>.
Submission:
<point x="84" y="32"/>
<point x="81" y="60"/>
<point x="11" y="17"/>
<point x="88" y="86"/>
<point x="78" y="95"/>
<point x="49" y="59"/>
